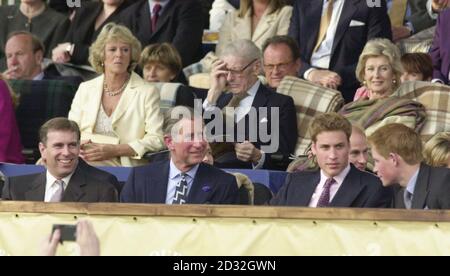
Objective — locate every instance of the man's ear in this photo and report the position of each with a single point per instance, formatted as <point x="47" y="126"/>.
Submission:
<point x="395" y="158"/>
<point x="39" y="56"/>
<point x="168" y="141"/>
<point x="42" y="150"/>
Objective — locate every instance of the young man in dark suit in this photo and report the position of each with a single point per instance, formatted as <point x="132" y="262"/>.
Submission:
<point x="330" y="56"/>
<point x="67" y="178"/>
<point x="397" y="152"/>
<point x="179" y="22"/>
<point x="183" y="179"/>
<point x="338" y="183"/>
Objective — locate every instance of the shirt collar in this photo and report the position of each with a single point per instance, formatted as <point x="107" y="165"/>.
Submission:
<point x="175" y="172"/>
<point x="51" y="180"/>
<point x="338" y="178"/>
<point x="40" y="76"/>
<point x="163" y="4"/>
<point x="254" y="89"/>
<point x="412" y="182"/>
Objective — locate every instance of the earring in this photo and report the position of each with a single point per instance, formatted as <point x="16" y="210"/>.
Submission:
<point x="364" y="83"/>
<point x="394" y="81"/>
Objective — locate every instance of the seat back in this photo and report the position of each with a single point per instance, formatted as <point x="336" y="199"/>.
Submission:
<point x="310" y="100"/>
<point x="39" y="102"/>
<point x="436" y="99"/>
<point x="167" y="94"/>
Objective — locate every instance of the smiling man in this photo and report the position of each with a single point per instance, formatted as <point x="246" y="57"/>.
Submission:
<point x="184" y="179"/>
<point x="67" y="178"/>
<point x="338" y="183"/>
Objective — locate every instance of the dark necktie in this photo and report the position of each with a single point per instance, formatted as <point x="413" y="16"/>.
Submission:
<point x="407" y="199"/>
<point x="180" y="196"/>
<point x="155" y="16"/>
<point x="324" y="199"/>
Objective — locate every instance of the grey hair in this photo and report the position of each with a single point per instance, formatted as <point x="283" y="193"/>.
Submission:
<point x="242" y="48"/>
<point x="174" y="115"/>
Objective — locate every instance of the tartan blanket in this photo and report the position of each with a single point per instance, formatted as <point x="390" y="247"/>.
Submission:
<point x="436" y="99"/>
<point x="310" y="100"/>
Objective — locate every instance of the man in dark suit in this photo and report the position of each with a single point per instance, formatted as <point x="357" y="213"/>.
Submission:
<point x="330" y="56"/>
<point x="262" y="122"/>
<point x="183" y="179"/>
<point x="440" y="51"/>
<point x="397" y="152"/>
<point x="178" y="22"/>
<point x="68" y="178"/>
<point x="338" y="183"/>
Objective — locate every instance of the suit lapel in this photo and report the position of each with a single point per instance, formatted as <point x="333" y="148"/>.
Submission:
<point x="421" y="190"/>
<point x="157" y="184"/>
<point x="196" y="194"/>
<point x="312" y="24"/>
<point x="143" y="23"/>
<point x="350" y="7"/>
<point x="74" y="191"/>
<point x="349" y="190"/>
<point x="264" y="24"/>
<point x="308" y="188"/>
<point x="127" y="97"/>
<point x="37" y="188"/>
<point x="93" y="106"/>
<point x="164" y="17"/>
<point x="244" y="26"/>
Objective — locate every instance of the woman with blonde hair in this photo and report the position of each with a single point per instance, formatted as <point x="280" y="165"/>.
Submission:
<point x="380" y="69"/>
<point x="118" y="112"/>
<point x="10" y="144"/>
<point x="437" y="150"/>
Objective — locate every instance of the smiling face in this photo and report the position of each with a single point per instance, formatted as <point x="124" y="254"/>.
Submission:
<point x="60" y="153"/>
<point x="331" y="149"/>
<point x="117" y="57"/>
<point x="379" y="76"/>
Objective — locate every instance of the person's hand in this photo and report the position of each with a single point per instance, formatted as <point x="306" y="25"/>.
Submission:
<point x="439" y="5"/>
<point x="325" y="78"/>
<point x="97" y="152"/>
<point x="400" y="33"/>
<point x="50" y="244"/>
<point x="87" y="239"/>
<point x="11" y="73"/>
<point x="60" y="54"/>
<point x="247" y="152"/>
<point x="218" y="80"/>
<point x="363" y="93"/>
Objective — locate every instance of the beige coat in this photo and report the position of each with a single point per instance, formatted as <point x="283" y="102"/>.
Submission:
<point x="235" y="28"/>
<point x="136" y="120"/>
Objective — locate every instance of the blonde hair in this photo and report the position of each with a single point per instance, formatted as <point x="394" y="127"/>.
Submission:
<point x="376" y="48"/>
<point x="163" y="53"/>
<point x="14" y="96"/>
<point x="246" y="5"/>
<point x="437" y="150"/>
<point x="398" y="139"/>
<point x="113" y="32"/>
<point x="329" y="122"/>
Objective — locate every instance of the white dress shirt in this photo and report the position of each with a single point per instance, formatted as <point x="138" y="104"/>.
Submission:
<point x="51" y="187"/>
<point x="333" y="189"/>
<point x="175" y="178"/>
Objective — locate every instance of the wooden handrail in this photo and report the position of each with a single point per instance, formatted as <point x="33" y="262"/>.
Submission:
<point x="224" y="211"/>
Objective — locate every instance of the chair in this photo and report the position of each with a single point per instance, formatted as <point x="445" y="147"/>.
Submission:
<point x="262" y="194"/>
<point x="436" y="99"/>
<point x="310" y="100"/>
<point x="39" y="102"/>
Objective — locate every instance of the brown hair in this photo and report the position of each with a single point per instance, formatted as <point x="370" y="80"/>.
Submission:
<point x="418" y="63"/>
<point x="58" y="124"/>
<point x="437" y="150"/>
<point x="329" y="122"/>
<point x="163" y="53"/>
<point x="286" y="40"/>
<point x="246" y="5"/>
<point x="398" y="139"/>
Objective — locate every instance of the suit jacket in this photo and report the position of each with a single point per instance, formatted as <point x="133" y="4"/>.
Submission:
<point x="10" y="143"/>
<point x="180" y="24"/>
<point x="349" y="41"/>
<point x="148" y="184"/>
<point x="440" y="51"/>
<point x="359" y="189"/>
<point x="87" y="184"/>
<point x="136" y="120"/>
<point x="235" y="27"/>
<point x="432" y="190"/>
<point x="287" y="127"/>
<point x="420" y="18"/>
<point x="82" y="31"/>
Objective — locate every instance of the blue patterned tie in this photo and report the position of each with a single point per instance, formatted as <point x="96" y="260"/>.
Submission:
<point x="324" y="199"/>
<point x="180" y="196"/>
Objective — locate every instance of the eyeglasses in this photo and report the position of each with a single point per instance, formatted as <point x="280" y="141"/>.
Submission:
<point x="235" y="72"/>
<point x="279" y="66"/>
